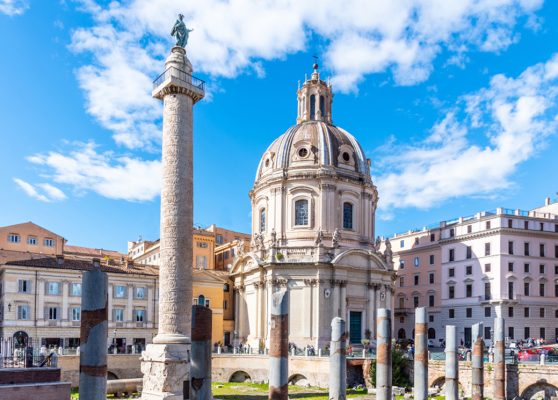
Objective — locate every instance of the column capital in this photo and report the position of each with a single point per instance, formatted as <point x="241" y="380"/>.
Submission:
<point x="311" y="282"/>
<point x="278" y="282"/>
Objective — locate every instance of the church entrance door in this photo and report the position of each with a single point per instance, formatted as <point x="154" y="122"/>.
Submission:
<point x="355" y="326"/>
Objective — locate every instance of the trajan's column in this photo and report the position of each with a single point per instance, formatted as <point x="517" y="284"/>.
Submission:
<point x="165" y="363"/>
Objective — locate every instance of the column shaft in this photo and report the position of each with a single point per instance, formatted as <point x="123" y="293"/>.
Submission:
<point x="93" y="335"/>
<point x="421" y="355"/>
<point x="279" y="346"/>
<point x="477" y="363"/>
<point x="383" y="355"/>
<point x="499" y="360"/>
<point x="337" y="361"/>
<point x="200" y="364"/>
<point x="452" y="365"/>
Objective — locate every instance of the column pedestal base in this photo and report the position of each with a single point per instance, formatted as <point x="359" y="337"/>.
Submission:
<point x="166" y="371"/>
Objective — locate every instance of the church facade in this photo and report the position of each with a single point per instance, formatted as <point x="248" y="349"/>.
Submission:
<point x="313" y="214"/>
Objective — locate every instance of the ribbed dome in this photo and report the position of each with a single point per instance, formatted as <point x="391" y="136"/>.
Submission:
<point x="314" y="143"/>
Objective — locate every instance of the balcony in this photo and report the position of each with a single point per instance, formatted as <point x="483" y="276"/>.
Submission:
<point x="182" y="83"/>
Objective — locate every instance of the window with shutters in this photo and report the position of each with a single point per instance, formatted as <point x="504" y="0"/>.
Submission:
<point x="76" y="289"/>
<point x="120" y="291"/>
<point x="118" y="314"/>
<point x="14" y="238"/>
<point x="139" y="293"/>
<point x="139" y="315"/>
<point x="24" y="286"/>
<point x="53" y="288"/>
<point x="75" y="313"/>
<point x="23" y="312"/>
<point x="52" y="313"/>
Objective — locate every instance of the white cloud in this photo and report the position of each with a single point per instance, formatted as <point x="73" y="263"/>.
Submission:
<point x="43" y="191"/>
<point x="114" y="176"/>
<point x="129" y="40"/>
<point x="13" y="7"/>
<point x="513" y="116"/>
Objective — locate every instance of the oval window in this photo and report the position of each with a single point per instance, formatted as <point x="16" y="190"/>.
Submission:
<point x="303" y="152"/>
<point x="346" y="157"/>
<point x="267" y="163"/>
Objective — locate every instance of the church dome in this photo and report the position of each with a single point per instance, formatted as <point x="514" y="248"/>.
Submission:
<point x="314" y="143"/>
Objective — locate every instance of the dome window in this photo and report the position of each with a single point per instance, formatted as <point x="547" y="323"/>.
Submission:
<point x="262" y="220"/>
<point x="346" y="157"/>
<point x="303" y="152"/>
<point x="347" y="216"/>
<point x="267" y="163"/>
<point x="301" y="212"/>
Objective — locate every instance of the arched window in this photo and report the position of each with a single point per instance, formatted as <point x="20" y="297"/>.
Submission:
<point x="322" y="106"/>
<point x="262" y="220"/>
<point x="201" y="300"/>
<point x="312" y="107"/>
<point x="347" y="216"/>
<point x="431" y="333"/>
<point x="401" y="333"/>
<point x="301" y="212"/>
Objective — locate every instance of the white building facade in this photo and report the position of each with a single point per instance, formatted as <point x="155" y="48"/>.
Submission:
<point x="502" y="263"/>
<point x="313" y="210"/>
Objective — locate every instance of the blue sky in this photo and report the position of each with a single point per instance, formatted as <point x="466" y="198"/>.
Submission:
<point x="454" y="102"/>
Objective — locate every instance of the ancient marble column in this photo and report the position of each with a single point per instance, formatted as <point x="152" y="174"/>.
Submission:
<point x="165" y="363"/>
<point x="200" y="369"/>
<point x="477" y="363"/>
<point x="383" y="355"/>
<point x="452" y="364"/>
<point x="93" y="334"/>
<point x="338" y="361"/>
<point x="279" y="346"/>
<point x="499" y="360"/>
<point x="421" y="355"/>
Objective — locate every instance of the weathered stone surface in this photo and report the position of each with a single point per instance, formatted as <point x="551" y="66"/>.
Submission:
<point x="165" y="369"/>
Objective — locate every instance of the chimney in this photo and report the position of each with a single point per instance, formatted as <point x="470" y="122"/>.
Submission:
<point x="547" y="201"/>
<point x="59" y="259"/>
<point x="129" y="263"/>
<point x="96" y="263"/>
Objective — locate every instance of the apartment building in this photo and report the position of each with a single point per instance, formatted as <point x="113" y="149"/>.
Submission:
<point x="417" y="262"/>
<point x="41" y="300"/>
<point x="213" y="250"/>
<point x="495" y="263"/>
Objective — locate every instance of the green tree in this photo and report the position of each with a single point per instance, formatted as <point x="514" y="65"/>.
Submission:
<point x="399" y="369"/>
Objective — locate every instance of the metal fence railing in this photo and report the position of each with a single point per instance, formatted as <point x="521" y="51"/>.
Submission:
<point x="180" y="75"/>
